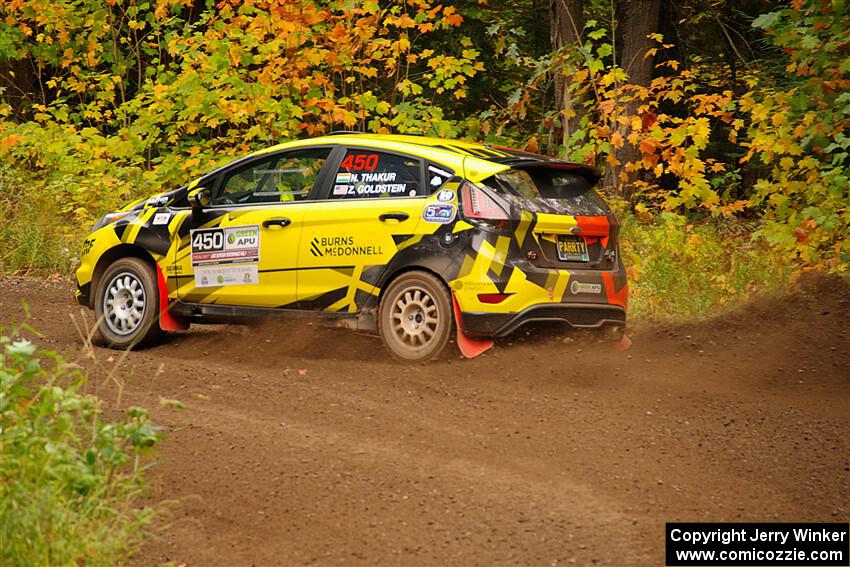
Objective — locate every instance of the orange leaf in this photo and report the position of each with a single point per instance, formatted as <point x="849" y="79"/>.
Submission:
<point x="404" y="21"/>
<point x="617" y="140"/>
<point x="647" y="146"/>
<point x="10" y="141"/>
<point x="607" y="106"/>
<point x="454" y="20"/>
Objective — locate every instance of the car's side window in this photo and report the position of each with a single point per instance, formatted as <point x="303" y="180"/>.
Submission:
<point x="437" y="176"/>
<point x="364" y="174"/>
<point x="282" y="177"/>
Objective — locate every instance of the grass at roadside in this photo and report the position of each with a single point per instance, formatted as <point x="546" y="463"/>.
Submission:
<point x="35" y="236"/>
<point x="69" y="478"/>
<point x="683" y="270"/>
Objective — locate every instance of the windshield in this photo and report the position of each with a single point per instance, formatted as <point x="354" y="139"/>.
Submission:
<point x="548" y="190"/>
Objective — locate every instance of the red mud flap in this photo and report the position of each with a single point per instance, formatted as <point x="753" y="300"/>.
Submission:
<point x="167" y="321"/>
<point x="469" y="348"/>
<point x="623" y="343"/>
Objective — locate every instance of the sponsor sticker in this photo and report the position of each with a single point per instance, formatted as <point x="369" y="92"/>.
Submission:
<point x="578" y="287"/>
<point x="87" y="244"/>
<point x="332" y="246"/>
<point x="225" y="245"/>
<point x="442" y="214"/>
<point x="472" y="285"/>
<point x="230" y="274"/>
<point x="157" y="201"/>
<point x="446" y="195"/>
<point x="439" y="171"/>
<point x="161" y="218"/>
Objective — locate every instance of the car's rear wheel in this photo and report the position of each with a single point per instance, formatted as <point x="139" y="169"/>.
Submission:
<point x="415" y="317"/>
<point x="126" y="304"/>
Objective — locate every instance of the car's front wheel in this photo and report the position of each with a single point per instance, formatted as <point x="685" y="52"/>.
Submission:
<point x="415" y="317"/>
<point x="126" y="304"/>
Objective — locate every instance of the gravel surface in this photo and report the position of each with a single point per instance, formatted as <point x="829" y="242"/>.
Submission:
<point x="300" y="444"/>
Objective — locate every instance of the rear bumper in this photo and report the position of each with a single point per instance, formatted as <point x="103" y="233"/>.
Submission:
<point x="583" y="316"/>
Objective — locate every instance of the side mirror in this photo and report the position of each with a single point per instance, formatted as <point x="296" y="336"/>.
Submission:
<point x="199" y="197"/>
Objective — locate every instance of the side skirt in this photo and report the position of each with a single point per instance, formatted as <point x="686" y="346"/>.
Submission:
<point x="365" y="320"/>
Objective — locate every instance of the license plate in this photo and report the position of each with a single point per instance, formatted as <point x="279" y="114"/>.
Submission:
<point x="572" y="249"/>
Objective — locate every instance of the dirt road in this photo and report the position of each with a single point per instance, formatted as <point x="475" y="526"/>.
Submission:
<point x="304" y="445"/>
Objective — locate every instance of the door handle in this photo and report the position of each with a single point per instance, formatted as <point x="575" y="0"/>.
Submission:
<point x="276" y="222"/>
<point x="393" y="216"/>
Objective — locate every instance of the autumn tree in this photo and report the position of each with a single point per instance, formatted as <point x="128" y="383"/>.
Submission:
<point x="635" y="21"/>
<point x="566" y="22"/>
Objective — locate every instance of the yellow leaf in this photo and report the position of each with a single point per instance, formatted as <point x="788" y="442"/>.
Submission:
<point x="700" y="131"/>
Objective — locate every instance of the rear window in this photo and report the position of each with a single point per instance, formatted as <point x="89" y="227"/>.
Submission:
<point x="548" y="190"/>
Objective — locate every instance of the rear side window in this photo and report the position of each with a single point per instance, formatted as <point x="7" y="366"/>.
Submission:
<point x="365" y="174"/>
<point x="548" y="190"/>
<point x="437" y="176"/>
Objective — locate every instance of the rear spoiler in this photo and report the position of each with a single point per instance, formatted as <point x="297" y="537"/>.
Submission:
<point x="588" y="172"/>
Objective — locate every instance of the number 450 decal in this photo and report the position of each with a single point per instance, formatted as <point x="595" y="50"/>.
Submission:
<point x="208" y="240"/>
<point x="360" y="162"/>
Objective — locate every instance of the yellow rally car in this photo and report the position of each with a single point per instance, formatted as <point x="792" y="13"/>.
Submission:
<point x="403" y="235"/>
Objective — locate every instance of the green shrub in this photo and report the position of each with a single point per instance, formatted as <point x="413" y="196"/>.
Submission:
<point x="69" y="478"/>
<point x="33" y="234"/>
<point x="678" y="269"/>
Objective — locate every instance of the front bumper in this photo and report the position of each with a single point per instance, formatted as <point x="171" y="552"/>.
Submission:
<point x="82" y="294"/>
<point x="582" y="316"/>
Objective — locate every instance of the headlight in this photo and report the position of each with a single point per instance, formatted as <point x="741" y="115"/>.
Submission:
<point x="109" y="219"/>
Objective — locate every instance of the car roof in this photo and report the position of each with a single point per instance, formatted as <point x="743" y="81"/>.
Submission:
<point x="474" y="160"/>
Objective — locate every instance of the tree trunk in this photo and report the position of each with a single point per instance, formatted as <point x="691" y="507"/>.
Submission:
<point x="566" y="21"/>
<point x="636" y="19"/>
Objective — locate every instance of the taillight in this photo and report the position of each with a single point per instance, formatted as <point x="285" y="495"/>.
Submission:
<point x="482" y="210"/>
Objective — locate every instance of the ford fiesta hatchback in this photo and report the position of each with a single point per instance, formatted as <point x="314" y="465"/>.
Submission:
<point x="401" y="235"/>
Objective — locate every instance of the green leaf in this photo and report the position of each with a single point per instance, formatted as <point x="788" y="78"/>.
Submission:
<point x="767" y="20"/>
<point x="604" y="50"/>
<point x="809" y="41"/>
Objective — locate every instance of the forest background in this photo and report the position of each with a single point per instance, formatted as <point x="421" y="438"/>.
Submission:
<point x="721" y="126"/>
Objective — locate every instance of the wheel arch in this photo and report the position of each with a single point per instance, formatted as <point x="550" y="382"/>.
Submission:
<point x="106" y="259"/>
